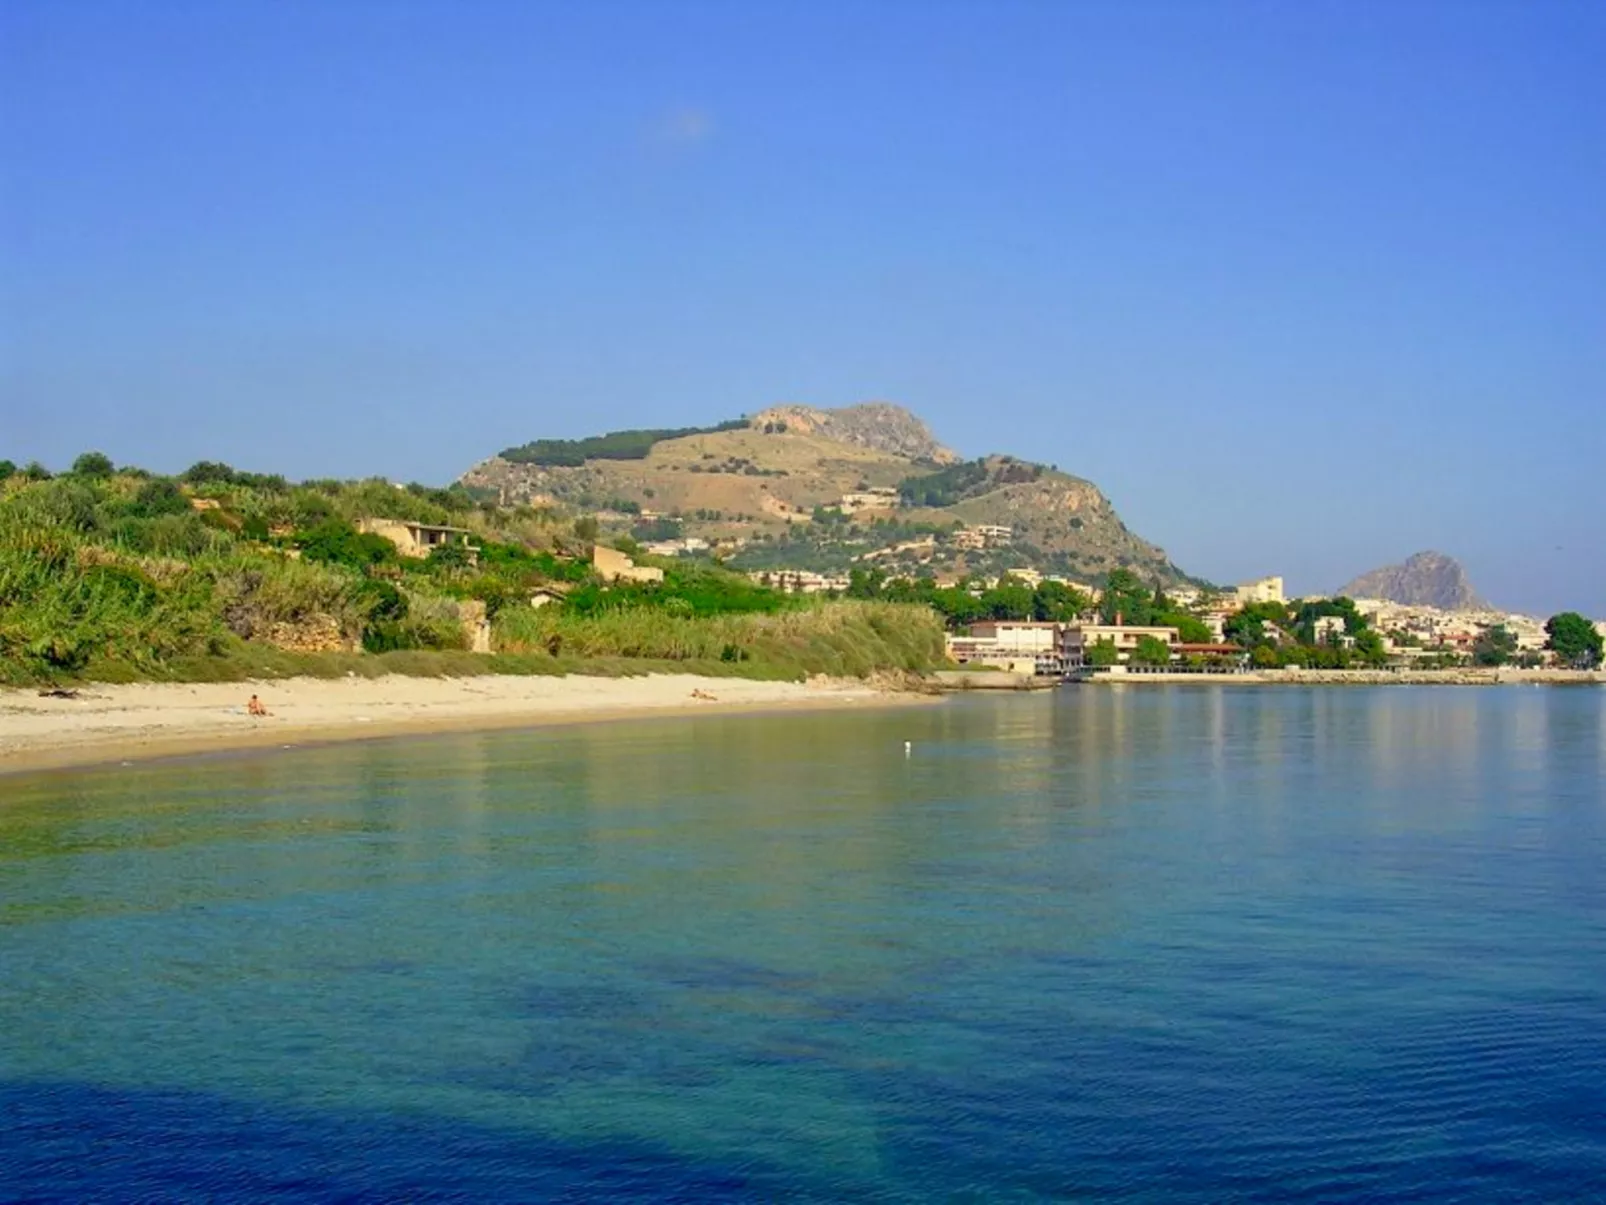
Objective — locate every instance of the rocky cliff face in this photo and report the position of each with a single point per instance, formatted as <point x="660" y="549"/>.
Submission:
<point x="1428" y="579"/>
<point x="879" y="426"/>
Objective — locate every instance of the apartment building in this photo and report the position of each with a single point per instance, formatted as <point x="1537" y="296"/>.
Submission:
<point x="1075" y="640"/>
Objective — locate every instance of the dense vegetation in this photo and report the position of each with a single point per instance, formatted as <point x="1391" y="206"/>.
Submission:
<point x="969" y="601"/>
<point x="1574" y="640"/>
<point x="119" y="574"/>
<point x="832" y="542"/>
<point x="615" y="445"/>
<point x="815" y="637"/>
<point x="968" y="479"/>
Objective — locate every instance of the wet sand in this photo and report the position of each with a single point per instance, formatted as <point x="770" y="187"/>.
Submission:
<point x="124" y="723"/>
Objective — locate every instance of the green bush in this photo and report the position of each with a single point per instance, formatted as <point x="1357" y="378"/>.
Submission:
<point x="93" y="464"/>
<point x="336" y="542"/>
<point x="158" y="496"/>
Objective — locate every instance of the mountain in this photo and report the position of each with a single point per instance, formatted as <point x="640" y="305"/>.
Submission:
<point x="803" y="488"/>
<point x="1428" y="579"/>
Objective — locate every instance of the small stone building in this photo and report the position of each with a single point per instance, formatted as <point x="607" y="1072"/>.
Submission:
<point x="614" y="566"/>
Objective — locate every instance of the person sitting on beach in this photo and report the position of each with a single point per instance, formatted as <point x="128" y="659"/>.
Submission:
<point x="254" y="707"/>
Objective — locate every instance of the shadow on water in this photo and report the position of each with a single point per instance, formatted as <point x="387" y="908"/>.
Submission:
<point x="78" y="1142"/>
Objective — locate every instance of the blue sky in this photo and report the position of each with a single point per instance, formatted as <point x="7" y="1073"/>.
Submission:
<point x="1304" y="287"/>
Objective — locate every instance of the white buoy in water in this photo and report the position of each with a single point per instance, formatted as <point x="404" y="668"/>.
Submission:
<point x="908" y="748"/>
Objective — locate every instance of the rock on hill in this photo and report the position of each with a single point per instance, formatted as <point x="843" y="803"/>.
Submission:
<point x="880" y="426"/>
<point x="1428" y="579"/>
<point x="800" y="488"/>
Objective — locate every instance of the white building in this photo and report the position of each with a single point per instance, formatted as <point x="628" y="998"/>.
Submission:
<point x="1262" y="590"/>
<point x="1023" y="646"/>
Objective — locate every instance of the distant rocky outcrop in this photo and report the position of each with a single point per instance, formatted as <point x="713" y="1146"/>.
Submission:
<point x="1428" y="579"/>
<point x="879" y="426"/>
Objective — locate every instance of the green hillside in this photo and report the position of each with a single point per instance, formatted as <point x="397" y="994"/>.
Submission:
<point x="118" y="574"/>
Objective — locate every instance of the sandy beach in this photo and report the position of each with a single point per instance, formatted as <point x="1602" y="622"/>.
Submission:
<point x="118" y="723"/>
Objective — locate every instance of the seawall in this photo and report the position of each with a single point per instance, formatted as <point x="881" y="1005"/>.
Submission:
<point x="1359" y="677"/>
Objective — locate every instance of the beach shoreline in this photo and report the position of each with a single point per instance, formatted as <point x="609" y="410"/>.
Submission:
<point x="107" y="724"/>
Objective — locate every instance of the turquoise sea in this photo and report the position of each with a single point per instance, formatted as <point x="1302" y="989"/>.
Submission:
<point x="1194" y="944"/>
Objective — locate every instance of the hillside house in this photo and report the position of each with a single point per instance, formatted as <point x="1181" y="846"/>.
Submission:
<point x="418" y="540"/>
<point x="1330" y="629"/>
<point x="1262" y="590"/>
<point x="882" y="498"/>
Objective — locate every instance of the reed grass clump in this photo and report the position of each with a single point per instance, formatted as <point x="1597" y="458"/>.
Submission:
<point x="842" y="639"/>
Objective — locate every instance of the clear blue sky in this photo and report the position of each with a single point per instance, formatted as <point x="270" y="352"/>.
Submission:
<point x="1305" y="287"/>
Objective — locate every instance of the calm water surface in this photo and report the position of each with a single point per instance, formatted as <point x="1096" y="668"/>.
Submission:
<point x="1191" y="944"/>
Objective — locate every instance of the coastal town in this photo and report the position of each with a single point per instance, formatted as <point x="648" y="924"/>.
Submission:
<point x="1371" y="633"/>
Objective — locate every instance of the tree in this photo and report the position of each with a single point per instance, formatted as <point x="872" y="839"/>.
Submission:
<point x="1494" y="646"/>
<point x="1265" y="657"/>
<point x="585" y="527"/>
<point x="34" y="471"/>
<point x="1010" y="599"/>
<point x="1102" y="654"/>
<point x="209" y="472"/>
<point x="158" y="496"/>
<point x="865" y="583"/>
<point x="1248" y="626"/>
<point x="1574" y="640"/>
<point x="1151" y="651"/>
<point x="961" y="607"/>
<point x="1055" y="602"/>
<point x="7" y="469"/>
<point x="93" y="464"/>
<point x="1369" y="648"/>
<point x="336" y="542"/>
<point x="1190" y="628"/>
<point x="1126" y="596"/>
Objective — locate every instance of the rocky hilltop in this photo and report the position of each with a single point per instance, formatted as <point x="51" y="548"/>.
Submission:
<point x="801" y="488"/>
<point x="1428" y="579"/>
<point x="880" y="426"/>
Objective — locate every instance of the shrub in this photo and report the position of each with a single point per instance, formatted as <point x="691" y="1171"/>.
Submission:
<point x="158" y="496"/>
<point x="93" y="464"/>
<point x="336" y="542"/>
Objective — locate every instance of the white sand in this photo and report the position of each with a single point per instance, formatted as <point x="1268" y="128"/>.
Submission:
<point x="106" y="723"/>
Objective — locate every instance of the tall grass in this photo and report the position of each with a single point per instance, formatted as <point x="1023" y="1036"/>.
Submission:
<point x="64" y="603"/>
<point x="120" y="581"/>
<point x="849" y="639"/>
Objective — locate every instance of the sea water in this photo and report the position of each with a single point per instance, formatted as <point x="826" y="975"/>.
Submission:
<point x="1149" y="943"/>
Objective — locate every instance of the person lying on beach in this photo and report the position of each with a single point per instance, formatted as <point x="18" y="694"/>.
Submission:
<point x="254" y="707"/>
